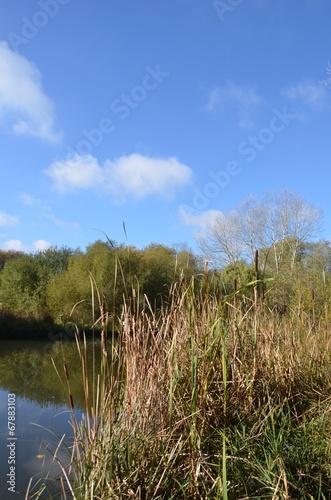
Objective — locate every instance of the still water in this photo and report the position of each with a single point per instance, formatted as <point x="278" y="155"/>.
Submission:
<point x="35" y="414"/>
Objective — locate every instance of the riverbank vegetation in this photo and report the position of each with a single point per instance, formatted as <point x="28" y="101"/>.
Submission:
<point x="51" y="289"/>
<point x="44" y="294"/>
<point x="227" y="399"/>
<point x="214" y="378"/>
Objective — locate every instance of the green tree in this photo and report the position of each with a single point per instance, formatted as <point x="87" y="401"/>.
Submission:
<point x="93" y="279"/>
<point x="24" y="280"/>
<point x="237" y="277"/>
<point x="312" y="278"/>
<point x="6" y="255"/>
<point x="18" y="285"/>
<point x="161" y="267"/>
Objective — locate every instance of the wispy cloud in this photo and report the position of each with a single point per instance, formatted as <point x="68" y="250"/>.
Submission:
<point x="307" y="93"/>
<point x="24" y="106"/>
<point x="8" y="220"/>
<point x="199" y="220"/>
<point x="134" y="175"/>
<point x="244" y="99"/>
<point x="45" y="210"/>
<point x="18" y="245"/>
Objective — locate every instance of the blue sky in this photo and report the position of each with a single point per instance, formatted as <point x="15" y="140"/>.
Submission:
<point x="157" y="114"/>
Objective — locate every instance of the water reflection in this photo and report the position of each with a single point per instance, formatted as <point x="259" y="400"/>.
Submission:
<point x="42" y="410"/>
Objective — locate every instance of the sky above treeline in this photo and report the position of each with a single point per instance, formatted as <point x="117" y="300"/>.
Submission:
<point x="157" y="115"/>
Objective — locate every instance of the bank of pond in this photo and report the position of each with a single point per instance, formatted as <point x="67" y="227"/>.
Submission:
<point x="20" y="327"/>
<point x="43" y="415"/>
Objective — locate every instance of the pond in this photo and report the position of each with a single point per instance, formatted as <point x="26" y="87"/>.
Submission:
<point x="35" y="413"/>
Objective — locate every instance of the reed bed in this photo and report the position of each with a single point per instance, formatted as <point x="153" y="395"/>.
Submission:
<point x="213" y="398"/>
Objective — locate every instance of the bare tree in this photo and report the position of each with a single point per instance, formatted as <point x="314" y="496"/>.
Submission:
<point x="220" y="241"/>
<point x="278" y="225"/>
<point x="290" y="221"/>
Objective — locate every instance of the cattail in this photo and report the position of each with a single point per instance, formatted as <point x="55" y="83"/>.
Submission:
<point x="235" y="292"/>
<point x="256" y="262"/>
<point x="71" y="400"/>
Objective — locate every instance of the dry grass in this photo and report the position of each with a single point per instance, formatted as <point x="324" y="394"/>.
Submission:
<point x="222" y="401"/>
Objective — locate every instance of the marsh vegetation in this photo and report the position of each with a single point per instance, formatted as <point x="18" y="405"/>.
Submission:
<point x="209" y="380"/>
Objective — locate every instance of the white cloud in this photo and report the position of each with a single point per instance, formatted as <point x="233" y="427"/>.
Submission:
<point x="24" y="107"/>
<point x="7" y="220"/>
<point x="201" y="220"/>
<point x="140" y="175"/>
<point x="133" y="175"/>
<point x="18" y="245"/>
<point x="244" y="99"/>
<point x="306" y="92"/>
<point x="41" y="245"/>
<point x="13" y="245"/>
<point x="77" y="172"/>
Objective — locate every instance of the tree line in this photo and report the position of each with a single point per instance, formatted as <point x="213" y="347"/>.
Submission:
<point x="290" y="269"/>
<point x="283" y="228"/>
<point x="65" y="285"/>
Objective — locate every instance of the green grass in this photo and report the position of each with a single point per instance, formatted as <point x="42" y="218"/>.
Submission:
<point x="228" y="401"/>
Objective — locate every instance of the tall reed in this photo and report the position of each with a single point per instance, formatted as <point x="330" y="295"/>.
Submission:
<point x="210" y="398"/>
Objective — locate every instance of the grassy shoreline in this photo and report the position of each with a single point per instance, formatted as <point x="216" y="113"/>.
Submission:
<point x="227" y="399"/>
